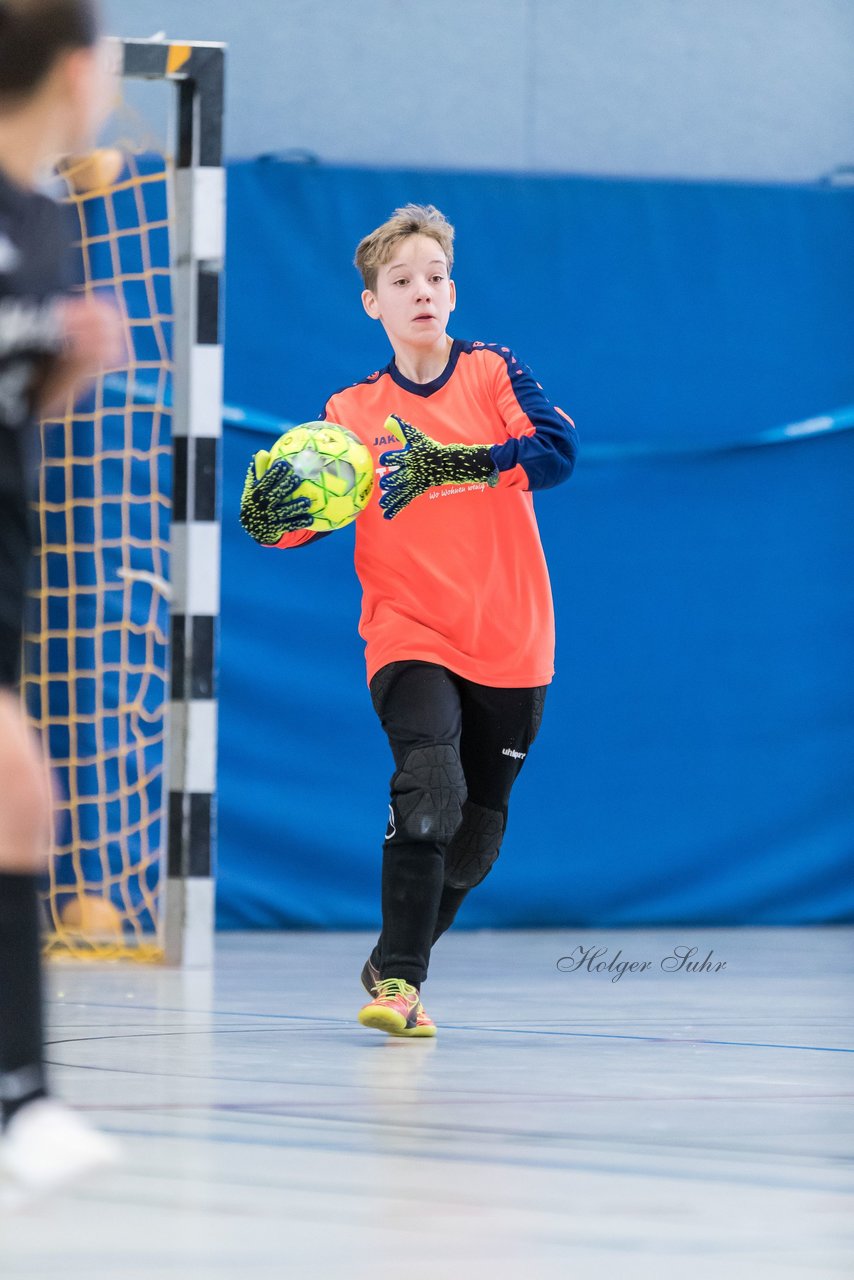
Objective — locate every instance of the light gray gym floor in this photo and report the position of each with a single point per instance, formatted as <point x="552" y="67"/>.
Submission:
<point x="562" y="1125"/>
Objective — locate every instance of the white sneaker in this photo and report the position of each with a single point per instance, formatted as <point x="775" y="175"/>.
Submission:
<point x="46" y="1145"/>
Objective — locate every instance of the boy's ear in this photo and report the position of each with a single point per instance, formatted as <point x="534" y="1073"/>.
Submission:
<point x="369" y="302"/>
<point x="453" y="291"/>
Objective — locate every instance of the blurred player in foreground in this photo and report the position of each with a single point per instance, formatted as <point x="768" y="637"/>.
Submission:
<point x="54" y="91"/>
<point x="456" y="608"/>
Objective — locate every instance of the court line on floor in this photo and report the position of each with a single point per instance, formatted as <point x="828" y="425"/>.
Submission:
<point x="445" y="1026"/>
<point x="443" y="1097"/>
<point x="447" y="1095"/>
<point x="479" y="1158"/>
<point x="359" y="1114"/>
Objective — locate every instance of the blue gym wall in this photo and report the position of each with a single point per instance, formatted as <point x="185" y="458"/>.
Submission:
<point x="696" y="759"/>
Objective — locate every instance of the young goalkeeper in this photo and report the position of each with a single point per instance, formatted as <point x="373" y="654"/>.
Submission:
<point x="53" y="91"/>
<point x="456" y="609"/>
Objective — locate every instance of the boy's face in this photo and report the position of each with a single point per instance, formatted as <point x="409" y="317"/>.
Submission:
<point x="414" y="295"/>
<point x="89" y="85"/>
<point x="78" y="94"/>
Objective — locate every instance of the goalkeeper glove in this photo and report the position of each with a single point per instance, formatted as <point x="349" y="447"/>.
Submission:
<point x="267" y="507"/>
<point x="423" y="463"/>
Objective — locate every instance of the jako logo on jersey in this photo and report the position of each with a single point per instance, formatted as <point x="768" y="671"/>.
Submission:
<point x="516" y="755"/>
<point x="387" y="440"/>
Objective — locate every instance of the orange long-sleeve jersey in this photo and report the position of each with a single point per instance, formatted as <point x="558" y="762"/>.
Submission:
<point x="459" y="577"/>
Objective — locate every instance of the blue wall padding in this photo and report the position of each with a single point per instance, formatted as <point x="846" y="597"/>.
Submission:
<point x="652" y="309"/>
<point x="696" y="762"/>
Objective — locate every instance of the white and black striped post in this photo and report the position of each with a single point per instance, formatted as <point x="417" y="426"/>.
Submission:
<point x="198" y="247"/>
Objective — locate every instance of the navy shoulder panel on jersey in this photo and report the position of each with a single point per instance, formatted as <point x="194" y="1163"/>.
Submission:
<point x="548" y="456"/>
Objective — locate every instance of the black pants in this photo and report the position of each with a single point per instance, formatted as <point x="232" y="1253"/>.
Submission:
<point x="17" y="539"/>
<point x="458" y="748"/>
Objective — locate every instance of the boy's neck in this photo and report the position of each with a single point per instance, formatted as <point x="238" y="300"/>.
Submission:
<point x="420" y="365"/>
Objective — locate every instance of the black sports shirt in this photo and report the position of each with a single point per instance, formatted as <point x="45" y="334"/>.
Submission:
<point x="34" y="248"/>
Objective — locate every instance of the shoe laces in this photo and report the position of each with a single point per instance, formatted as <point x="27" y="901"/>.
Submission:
<point x="390" y="988"/>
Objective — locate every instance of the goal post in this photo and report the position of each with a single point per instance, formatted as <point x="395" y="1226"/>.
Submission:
<point x="121" y="653"/>
<point x="197" y="71"/>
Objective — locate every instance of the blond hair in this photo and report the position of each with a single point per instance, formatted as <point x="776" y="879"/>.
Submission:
<point x="410" y="220"/>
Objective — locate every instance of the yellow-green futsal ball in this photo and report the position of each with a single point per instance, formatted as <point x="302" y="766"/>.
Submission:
<point x="337" y="471"/>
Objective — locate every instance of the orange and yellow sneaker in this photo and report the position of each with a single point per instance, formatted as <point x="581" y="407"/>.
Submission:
<point x="370" y="977"/>
<point x="396" y="1008"/>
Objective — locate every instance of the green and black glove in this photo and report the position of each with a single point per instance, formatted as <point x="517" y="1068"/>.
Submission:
<point x="268" y="508"/>
<point x="423" y="463"/>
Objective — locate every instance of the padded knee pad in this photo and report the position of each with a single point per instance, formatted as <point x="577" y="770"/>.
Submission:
<point x="428" y="792"/>
<point x="474" y="848"/>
